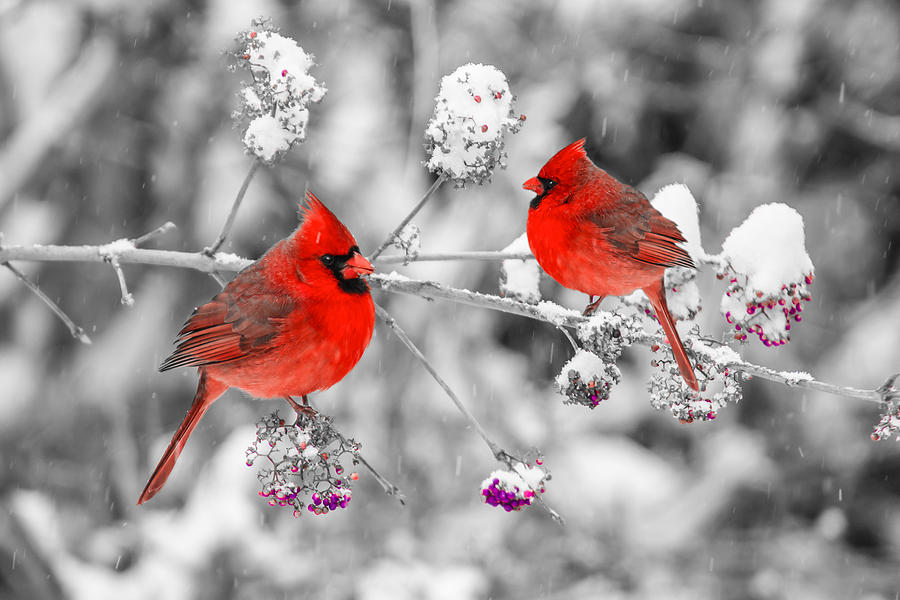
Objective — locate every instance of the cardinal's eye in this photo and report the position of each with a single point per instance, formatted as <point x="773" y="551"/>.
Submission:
<point x="327" y="260"/>
<point x="548" y="184"/>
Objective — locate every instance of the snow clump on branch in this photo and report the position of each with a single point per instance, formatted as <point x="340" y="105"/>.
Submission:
<point x="769" y="274"/>
<point x="276" y="101"/>
<point x="520" y="279"/>
<point x="464" y="138"/>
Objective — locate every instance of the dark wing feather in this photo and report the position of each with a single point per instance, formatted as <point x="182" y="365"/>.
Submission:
<point x="241" y="319"/>
<point x="640" y="232"/>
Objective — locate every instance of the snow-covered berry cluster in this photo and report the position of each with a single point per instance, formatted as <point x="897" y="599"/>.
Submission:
<point x="303" y="464"/>
<point x="754" y="312"/>
<point x="607" y="334"/>
<point x="768" y="272"/>
<point x="889" y="425"/>
<point x="276" y="100"/>
<point x="587" y="380"/>
<point x="520" y="278"/>
<point x="515" y="489"/>
<point x="669" y="391"/>
<point x="464" y="138"/>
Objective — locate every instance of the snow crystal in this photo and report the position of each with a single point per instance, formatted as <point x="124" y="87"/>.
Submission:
<point x="231" y="262"/>
<point x="555" y="313"/>
<point x="116" y="247"/>
<point x="795" y="377"/>
<point x="464" y="138"/>
<point x="392" y="276"/>
<point x="676" y="203"/>
<point x="520" y="279"/>
<point x="769" y="248"/>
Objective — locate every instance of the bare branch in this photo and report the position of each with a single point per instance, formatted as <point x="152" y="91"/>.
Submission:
<point x="496" y="450"/>
<point x="229" y="222"/>
<point x="162" y="229"/>
<point x="76" y="331"/>
<point x="390" y="238"/>
<point x="389" y="488"/>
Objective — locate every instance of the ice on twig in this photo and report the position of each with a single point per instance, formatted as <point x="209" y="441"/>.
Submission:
<point x="464" y="138"/>
<point x="769" y="274"/>
<point x="520" y="279"/>
<point x="276" y="101"/>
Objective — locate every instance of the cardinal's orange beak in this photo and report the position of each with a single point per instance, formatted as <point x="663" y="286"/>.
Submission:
<point x="534" y="185"/>
<point x="357" y="265"/>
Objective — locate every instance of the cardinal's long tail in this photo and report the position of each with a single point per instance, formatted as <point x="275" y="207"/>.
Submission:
<point x="657" y="294"/>
<point x="208" y="389"/>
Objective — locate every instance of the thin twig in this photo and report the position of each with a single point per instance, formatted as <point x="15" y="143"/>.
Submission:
<point x="389" y="488"/>
<point x="162" y="229"/>
<point x="76" y="331"/>
<point x="496" y="450"/>
<point x="390" y="238"/>
<point x="424" y="289"/>
<point x="489" y="255"/>
<point x="127" y="298"/>
<point x="226" y="228"/>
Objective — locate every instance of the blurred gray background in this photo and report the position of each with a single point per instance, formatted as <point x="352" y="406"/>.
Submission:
<point x="115" y="117"/>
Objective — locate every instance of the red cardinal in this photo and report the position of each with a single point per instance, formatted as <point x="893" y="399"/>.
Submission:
<point x="294" y="322"/>
<point x="597" y="235"/>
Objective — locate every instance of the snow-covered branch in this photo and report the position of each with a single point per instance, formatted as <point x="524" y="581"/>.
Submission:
<point x="543" y="311"/>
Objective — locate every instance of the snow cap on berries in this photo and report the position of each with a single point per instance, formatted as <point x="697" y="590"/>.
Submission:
<point x="513" y="490"/>
<point x="520" y="279"/>
<point x="769" y="248"/>
<point x="276" y="101"/>
<point x="769" y="274"/>
<point x="586" y="379"/>
<point x="464" y="138"/>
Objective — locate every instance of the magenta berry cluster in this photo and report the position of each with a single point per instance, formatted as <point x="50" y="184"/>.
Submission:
<point x="496" y="495"/>
<point x="668" y="391"/>
<point x="513" y="490"/>
<point x="769" y="316"/>
<point x="303" y="464"/>
<point x="889" y="425"/>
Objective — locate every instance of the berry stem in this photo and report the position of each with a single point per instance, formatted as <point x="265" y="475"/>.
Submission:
<point x="390" y="238"/>
<point x="500" y="454"/>
<point x="229" y="222"/>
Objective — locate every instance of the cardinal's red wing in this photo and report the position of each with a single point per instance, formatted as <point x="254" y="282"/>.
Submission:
<point x="638" y="231"/>
<point x="240" y="320"/>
